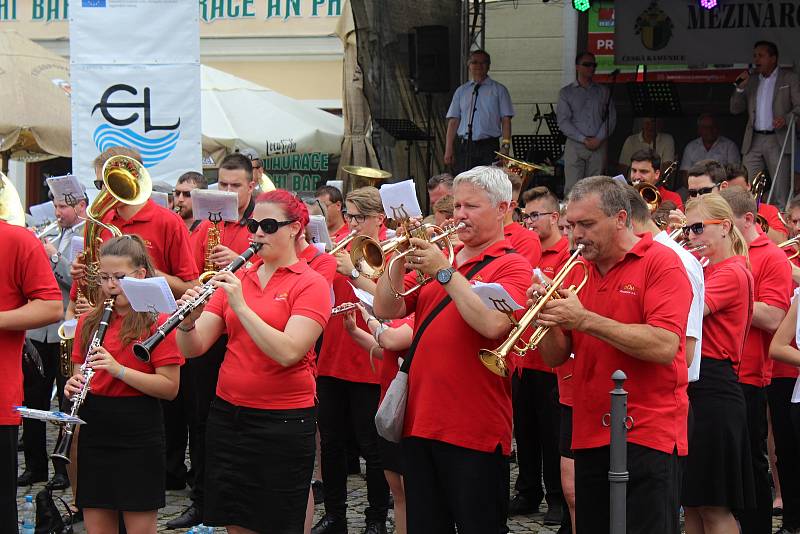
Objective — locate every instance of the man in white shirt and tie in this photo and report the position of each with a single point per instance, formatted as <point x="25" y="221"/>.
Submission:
<point x="58" y="246"/>
<point x="770" y="99"/>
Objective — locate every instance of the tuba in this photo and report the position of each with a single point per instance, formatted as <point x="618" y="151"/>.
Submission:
<point x="523" y="169"/>
<point x="495" y="360"/>
<point x="10" y="206"/>
<point x="366" y="176"/>
<point x="125" y="181"/>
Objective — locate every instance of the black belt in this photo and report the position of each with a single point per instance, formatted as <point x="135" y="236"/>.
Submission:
<point x="484" y="141"/>
<point x="764" y="132"/>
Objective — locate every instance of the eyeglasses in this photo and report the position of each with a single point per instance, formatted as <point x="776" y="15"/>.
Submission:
<point x="357" y="217"/>
<point x="590" y="64"/>
<point x="105" y="278"/>
<point x="268" y="226"/>
<point x="534" y="215"/>
<point x="186" y="194"/>
<point x="699" y="227"/>
<point x="702" y="191"/>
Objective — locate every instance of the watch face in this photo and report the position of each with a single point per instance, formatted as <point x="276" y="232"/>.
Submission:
<point x="444" y="275"/>
<point x="354" y="274"/>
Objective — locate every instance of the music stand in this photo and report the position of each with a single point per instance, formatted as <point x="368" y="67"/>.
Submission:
<point x="540" y="149"/>
<point x="404" y="130"/>
<point x="654" y="99"/>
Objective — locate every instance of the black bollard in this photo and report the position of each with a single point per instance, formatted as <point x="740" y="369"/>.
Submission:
<point x="618" y="465"/>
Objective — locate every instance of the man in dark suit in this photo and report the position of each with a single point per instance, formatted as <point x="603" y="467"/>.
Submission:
<point x="770" y="99"/>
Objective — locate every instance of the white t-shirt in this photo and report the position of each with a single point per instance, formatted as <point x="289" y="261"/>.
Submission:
<point x="723" y="151"/>
<point x="796" y="392"/>
<point x="694" y="323"/>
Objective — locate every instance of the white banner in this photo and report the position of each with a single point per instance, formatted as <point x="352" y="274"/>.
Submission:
<point x="135" y="73"/>
<point x="152" y="108"/>
<point x="683" y="32"/>
<point x="134" y="31"/>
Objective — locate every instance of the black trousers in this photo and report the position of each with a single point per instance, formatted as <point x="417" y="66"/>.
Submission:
<point x="449" y="486"/>
<point x="342" y="404"/>
<point x="758" y="520"/>
<point x="482" y="153"/>
<point x="787" y="449"/>
<point x="653" y="494"/>
<point x="8" y="478"/>
<point x="536" y="429"/>
<point x="201" y="374"/>
<point x="37" y="395"/>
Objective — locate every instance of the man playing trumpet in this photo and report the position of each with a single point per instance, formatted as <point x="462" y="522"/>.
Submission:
<point x="644" y="286"/>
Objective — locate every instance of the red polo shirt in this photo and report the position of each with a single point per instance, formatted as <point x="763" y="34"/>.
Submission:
<point x="197" y="240"/>
<point x="103" y="383"/>
<point x="26" y="275"/>
<point x="233" y="235"/>
<point x="771" y="214"/>
<point x="165" y="236"/>
<point x="323" y="263"/>
<point x="772" y="276"/>
<point x="249" y="377"/>
<point x="452" y="397"/>
<point x="553" y="259"/>
<point x="729" y="296"/>
<point x="340" y="234"/>
<point x="524" y="241"/>
<point x="666" y="194"/>
<point x="390" y="365"/>
<point x="648" y="285"/>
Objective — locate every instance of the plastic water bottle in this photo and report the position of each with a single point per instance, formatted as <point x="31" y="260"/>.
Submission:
<point x="28" y="516"/>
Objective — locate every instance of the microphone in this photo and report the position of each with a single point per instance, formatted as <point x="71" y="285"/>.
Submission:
<point x="740" y="78"/>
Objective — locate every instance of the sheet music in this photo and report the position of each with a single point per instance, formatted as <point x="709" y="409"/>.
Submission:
<point x="400" y="200"/>
<point x="53" y="417"/>
<point x="219" y="205"/>
<point x="149" y="294"/>
<point x="67" y="189"/>
<point x="318" y="231"/>
<point x="621" y="178"/>
<point x="43" y="213"/>
<point x="75" y="247"/>
<point x="162" y="199"/>
<point x="494" y="296"/>
<point x="338" y="184"/>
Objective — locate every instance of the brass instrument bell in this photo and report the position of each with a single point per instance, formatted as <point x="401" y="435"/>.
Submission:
<point x="525" y="170"/>
<point x="793" y="242"/>
<point x="366" y="176"/>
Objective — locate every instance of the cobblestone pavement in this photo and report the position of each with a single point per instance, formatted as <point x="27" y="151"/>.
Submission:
<point x="177" y="501"/>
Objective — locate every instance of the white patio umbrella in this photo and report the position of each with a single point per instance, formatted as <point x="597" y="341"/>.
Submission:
<point x="239" y="114"/>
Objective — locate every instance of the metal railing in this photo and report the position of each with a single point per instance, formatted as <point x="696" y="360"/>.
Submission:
<point x="790" y="135"/>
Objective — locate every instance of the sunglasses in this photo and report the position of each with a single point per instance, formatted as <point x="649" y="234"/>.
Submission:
<point x="702" y="191"/>
<point x="268" y="226"/>
<point x="698" y="228"/>
<point x="590" y="64"/>
<point x="186" y="194"/>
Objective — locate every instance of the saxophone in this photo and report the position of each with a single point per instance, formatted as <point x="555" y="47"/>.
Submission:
<point x="213" y="239"/>
<point x="67" y="430"/>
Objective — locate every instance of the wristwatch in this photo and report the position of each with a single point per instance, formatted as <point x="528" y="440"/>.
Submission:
<point x="443" y="276"/>
<point x="55" y="257"/>
<point x="354" y="274"/>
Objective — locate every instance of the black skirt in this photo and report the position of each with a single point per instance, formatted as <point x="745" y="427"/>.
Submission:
<point x="121" y="454"/>
<point x="719" y="471"/>
<point x="565" y="432"/>
<point x="391" y="456"/>
<point x="259" y="465"/>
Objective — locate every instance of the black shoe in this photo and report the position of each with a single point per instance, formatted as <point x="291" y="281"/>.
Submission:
<point x="59" y="481"/>
<point x="553" y="514"/>
<point x="375" y="527"/>
<point x="521" y="505"/>
<point x="29" y="477"/>
<point x="330" y="525"/>
<point x="319" y="491"/>
<point x="190" y="517"/>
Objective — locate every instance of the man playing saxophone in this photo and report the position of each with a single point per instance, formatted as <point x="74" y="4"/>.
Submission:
<point x="644" y="286"/>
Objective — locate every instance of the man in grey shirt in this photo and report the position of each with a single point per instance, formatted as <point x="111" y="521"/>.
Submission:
<point x="587" y="117"/>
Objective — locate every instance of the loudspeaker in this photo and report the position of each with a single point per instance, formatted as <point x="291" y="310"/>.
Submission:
<point x="429" y="59"/>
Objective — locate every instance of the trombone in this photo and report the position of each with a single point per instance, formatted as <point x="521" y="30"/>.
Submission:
<point x="793" y="242"/>
<point x="496" y="360"/>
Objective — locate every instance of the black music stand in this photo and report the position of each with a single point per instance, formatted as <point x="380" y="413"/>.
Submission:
<point x="542" y="149"/>
<point x="654" y="99"/>
<point x="408" y="131"/>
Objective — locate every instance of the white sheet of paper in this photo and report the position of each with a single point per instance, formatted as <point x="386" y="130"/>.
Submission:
<point x="796" y="392"/>
<point x="621" y="178"/>
<point x="53" y="417"/>
<point x="338" y="184"/>
<point x="66" y="188"/>
<point x="207" y="204"/>
<point x="319" y="246"/>
<point x="492" y="293"/>
<point x="365" y="297"/>
<point x="43" y="213"/>
<point x="400" y="199"/>
<point x="69" y="327"/>
<point x="318" y="231"/>
<point x="149" y="294"/>
<point x="162" y="199"/>
<point x="75" y="247"/>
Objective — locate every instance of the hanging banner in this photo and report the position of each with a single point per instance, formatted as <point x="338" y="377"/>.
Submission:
<point x="683" y="32"/>
<point x="135" y="80"/>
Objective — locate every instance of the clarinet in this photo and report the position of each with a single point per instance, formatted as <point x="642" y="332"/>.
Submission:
<point x="67" y="430"/>
<point x="143" y="349"/>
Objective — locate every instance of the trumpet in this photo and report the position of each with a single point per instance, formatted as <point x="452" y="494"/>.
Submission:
<point x="793" y="242"/>
<point x="496" y="360"/>
<point x="47" y="229"/>
<point x="143" y="349"/>
<point x="344" y="308"/>
<point x="344" y="242"/>
<point x="66" y="432"/>
<point x="440" y="234"/>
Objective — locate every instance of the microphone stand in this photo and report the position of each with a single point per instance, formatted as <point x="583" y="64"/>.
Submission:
<point x="474" y="108"/>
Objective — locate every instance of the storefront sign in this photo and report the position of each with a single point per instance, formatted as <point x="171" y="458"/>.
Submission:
<point x="299" y="172"/>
